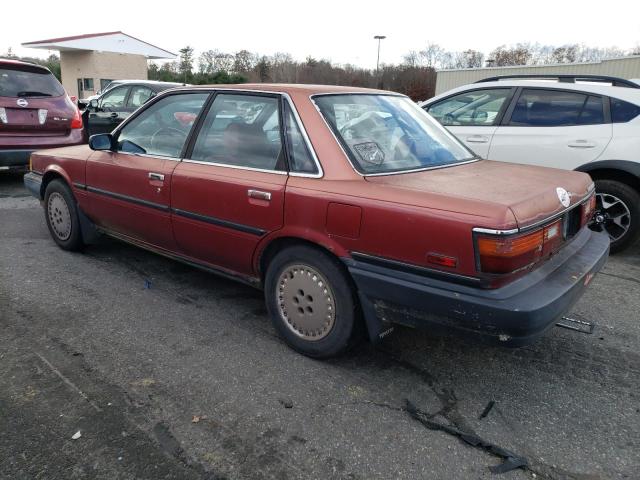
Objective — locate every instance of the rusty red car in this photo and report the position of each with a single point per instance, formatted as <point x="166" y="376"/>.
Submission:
<point x="351" y="208"/>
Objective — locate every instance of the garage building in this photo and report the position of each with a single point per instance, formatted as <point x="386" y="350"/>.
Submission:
<point x="89" y="62"/>
<point x="623" y="67"/>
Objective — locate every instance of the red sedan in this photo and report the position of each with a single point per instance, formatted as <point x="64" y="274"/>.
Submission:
<point x="345" y="205"/>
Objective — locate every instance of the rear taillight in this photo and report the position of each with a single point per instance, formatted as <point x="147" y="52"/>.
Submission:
<point x="508" y="253"/>
<point x="76" y="121"/>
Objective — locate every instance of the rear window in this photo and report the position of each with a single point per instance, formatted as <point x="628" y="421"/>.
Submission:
<point x="388" y="133"/>
<point x="32" y="83"/>
<point x="622" y="111"/>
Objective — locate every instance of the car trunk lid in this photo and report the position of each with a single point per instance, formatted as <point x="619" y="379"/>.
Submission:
<point x="531" y="193"/>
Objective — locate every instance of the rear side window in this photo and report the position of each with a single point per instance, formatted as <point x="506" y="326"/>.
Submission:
<point x="241" y="130"/>
<point x="29" y="83"/>
<point x="299" y="156"/>
<point x="550" y="108"/>
<point x="476" y="108"/>
<point x="138" y="96"/>
<point x="622" y="111"/>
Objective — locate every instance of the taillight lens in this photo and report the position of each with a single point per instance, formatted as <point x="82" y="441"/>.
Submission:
<point x="76" y="121"/>
<point x="506" y="254"/>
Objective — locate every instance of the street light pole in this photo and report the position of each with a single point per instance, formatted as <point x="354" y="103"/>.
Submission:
<point x="379" y="38"/>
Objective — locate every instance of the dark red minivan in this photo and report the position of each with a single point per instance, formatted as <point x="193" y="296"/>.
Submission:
<point x="35" y="113"/>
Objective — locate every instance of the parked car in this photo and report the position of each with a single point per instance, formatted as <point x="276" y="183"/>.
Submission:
<point x="106" y="112"/>
<point x="586" y="123"/>
<point x="35" y="112"/>
<point x="341" y="203"/>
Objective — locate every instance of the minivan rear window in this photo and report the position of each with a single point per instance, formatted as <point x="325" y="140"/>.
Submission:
<point x="32" y="83"/>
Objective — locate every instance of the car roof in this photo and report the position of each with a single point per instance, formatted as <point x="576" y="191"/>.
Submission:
<point x="146" y="82"/>
<point x="623" y="93"/>
<point x="9" y="62"/>
<point x="292" y="88"/>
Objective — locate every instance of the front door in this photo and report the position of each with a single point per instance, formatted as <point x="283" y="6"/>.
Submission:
<point x="229" y="190"/>
<point x="111" y="111"/>
<point x="130" y="188"/>
<point x="472" y="116"/>
<point x="552" y="128"/>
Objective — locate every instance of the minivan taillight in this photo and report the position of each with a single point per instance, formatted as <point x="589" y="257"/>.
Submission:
<point x="76" y="121"/>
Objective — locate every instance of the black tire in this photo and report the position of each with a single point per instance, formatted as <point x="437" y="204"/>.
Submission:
<point x="340" y="299"/>
<point x="57" y="198"/>
<point x="609" y="190"/>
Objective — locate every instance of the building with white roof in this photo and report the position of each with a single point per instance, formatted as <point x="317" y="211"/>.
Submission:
<point x="89" y="62"/>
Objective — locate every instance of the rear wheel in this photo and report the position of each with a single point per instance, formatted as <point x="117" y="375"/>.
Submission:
<point x="311" y="301"/>
<point x="61" y="214"/>
<point x="617" y="213"/>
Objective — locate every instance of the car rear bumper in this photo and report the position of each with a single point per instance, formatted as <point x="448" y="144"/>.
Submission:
<point x="33" y="183"/>
<point x="16" y="150"/>
<point x="514" y="315"/>
<point x="14" y="159"/>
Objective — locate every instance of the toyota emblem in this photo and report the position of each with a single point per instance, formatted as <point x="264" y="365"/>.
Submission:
<point x="22" y="102"/>
<point x="563" y="196"/>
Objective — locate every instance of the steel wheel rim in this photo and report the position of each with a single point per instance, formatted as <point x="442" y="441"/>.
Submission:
<point x="612" y="216"/>
<point x="59" y="216"/>
<point x="306" y="302"/>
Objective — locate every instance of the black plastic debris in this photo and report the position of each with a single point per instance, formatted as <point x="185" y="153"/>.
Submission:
<point x="147" y="284"/>
<point x="511" y="460"/>
<point x="487" y="409"/>
<point x="576" y="325"/>
<point x="286" y="403"/>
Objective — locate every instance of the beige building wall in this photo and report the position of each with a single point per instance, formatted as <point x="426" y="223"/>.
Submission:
<point x="626" y="67"/>
<point x="76" y="65"/>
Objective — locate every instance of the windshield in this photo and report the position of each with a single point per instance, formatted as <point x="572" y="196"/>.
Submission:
<point x="388" y="133"/>
<point x="36" y="83"/>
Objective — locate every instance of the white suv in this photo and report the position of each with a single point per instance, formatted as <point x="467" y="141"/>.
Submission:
<point x="586" y="123"/>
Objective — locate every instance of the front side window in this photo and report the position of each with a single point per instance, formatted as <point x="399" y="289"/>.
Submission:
<point x="114" y="99"/>
<point x="475" y="108"/>
<point x="162" y="129"/>
<point x="241" y="130"/>
<point x="554" y="108"/>
<point x="139" y="95"/>
<point x="29" y="83"/>
<point x="388" y="133"/>
<point x="622" y="111"/>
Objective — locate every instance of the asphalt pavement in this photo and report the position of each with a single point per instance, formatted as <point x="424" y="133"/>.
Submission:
<point x="116" y="363"/>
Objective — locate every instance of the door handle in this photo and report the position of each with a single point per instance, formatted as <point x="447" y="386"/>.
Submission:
<point x="114" y="115"/>
<point x="581" y="144"/>
<point x="477" y="139"/>
<point x="258" y="194"/>
<point x="156" y="176"/>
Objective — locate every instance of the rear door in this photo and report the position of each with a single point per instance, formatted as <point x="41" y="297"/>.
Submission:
<point x="553" y="128"/>
<point x="111" y="111"/>
<point x="473" y="115"/>
<point x="228" y="192"/>
<point x="130" y="188"/>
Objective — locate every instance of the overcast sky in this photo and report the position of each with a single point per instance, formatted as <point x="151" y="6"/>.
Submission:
<point x="341" y="31"/>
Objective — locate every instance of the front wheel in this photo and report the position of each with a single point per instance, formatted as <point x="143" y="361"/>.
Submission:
<point x="61" y="214"/>
<point x="617" y="213"/>
<point x="311" y="301"/>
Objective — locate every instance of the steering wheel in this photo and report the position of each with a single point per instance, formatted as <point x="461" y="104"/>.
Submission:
<point x="167" y="134"/>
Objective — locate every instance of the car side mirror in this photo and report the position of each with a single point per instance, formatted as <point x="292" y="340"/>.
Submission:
<point x="101" y="141"/>
<point x="93" y="103"/>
